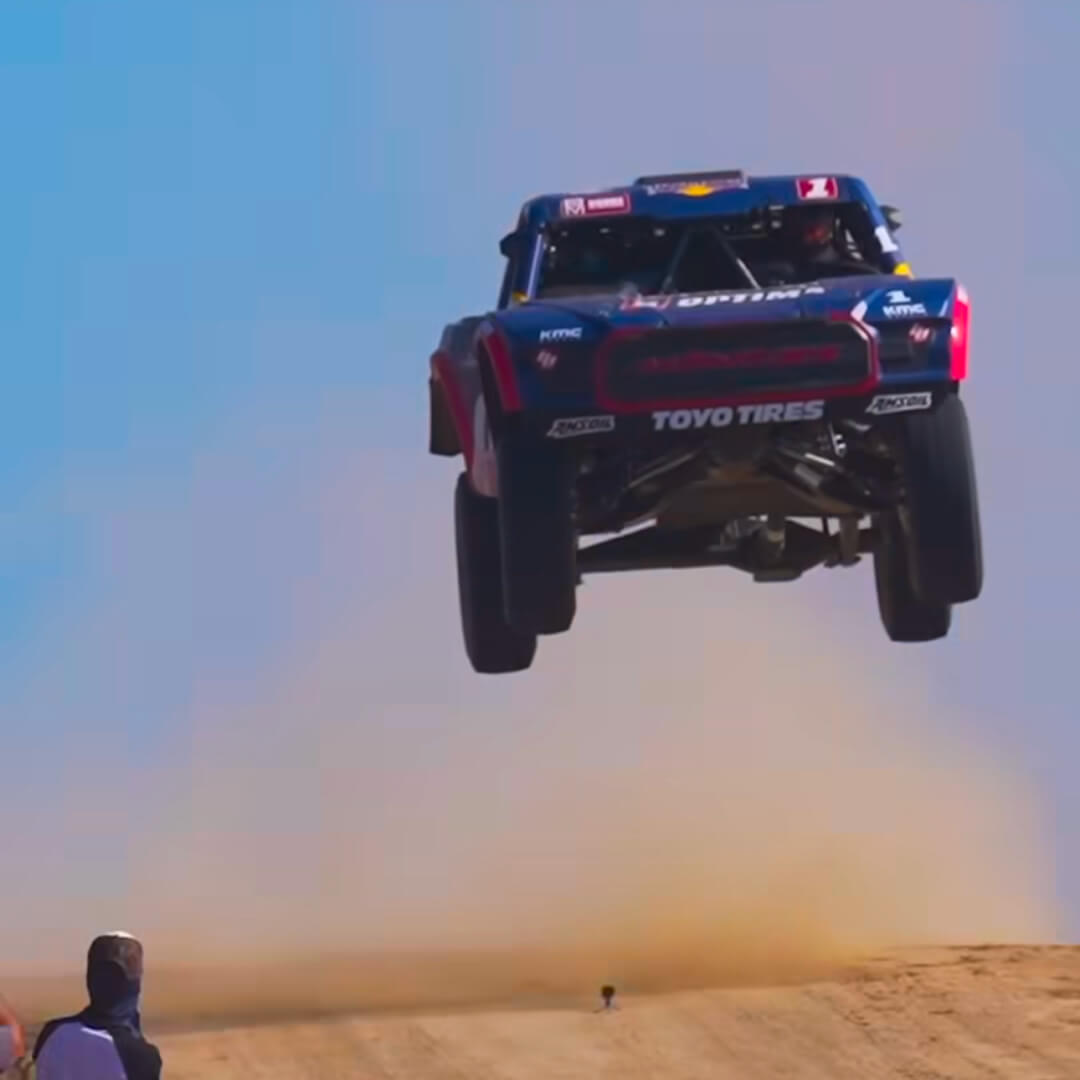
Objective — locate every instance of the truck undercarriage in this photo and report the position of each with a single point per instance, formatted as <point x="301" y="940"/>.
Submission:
<point x="733" y="501"/>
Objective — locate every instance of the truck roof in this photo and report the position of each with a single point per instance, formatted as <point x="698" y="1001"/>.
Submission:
<point x="695" y="194"/>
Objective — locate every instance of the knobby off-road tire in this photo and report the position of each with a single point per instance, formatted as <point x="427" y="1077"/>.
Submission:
<point x="493" y="647"/>
<point x="905" y="616"/>
<point x="944" y="536"/>
<point x="539" y="540"/>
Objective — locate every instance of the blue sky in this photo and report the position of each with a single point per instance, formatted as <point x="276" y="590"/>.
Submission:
<point x="230" y="235"/>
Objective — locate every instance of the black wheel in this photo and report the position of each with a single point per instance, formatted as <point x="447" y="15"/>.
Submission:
<point x="539" y="541"/>
<point x="942" y="520"/>
<point x="905" y="616"/>
<point x="493" y="648"/>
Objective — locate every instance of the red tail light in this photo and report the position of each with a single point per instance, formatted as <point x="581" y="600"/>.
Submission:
<point x="961" y="330"/>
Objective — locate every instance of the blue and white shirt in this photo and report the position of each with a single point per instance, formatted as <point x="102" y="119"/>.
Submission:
<point x="84" y="1047"/>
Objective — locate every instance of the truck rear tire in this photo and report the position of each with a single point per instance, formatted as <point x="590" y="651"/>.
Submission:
<point x="904" y="614"/>
<point x="493" y="647"/>
<point x="942" y="520"/>
<point x="538" y="537"/>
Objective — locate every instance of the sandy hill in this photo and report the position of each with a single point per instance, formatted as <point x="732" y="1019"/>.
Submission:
<point x="927" y="1014"/>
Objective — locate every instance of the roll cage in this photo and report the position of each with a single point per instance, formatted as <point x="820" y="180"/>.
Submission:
<point x="863" y="228"/>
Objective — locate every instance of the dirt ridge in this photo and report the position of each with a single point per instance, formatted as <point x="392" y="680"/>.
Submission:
<point x="931" y="1013"/>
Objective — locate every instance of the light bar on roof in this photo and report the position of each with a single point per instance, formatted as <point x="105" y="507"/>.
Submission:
<point x="727" y="176"/>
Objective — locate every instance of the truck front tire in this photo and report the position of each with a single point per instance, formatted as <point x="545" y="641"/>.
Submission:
<point x="904" y="614"/>
<point x="941" y="512"/>
<point x="538" y="537"/>
<point x="492" y="646"/>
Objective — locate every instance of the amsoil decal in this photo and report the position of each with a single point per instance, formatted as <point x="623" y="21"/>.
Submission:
<point x="740" y="296"/>
<point x="722" y="416"/>
<point x="884" y="404"/>
<point x="818" y="187"/>
<point x="566" y="333"/>
<point x="898" y="305"/>
<point x="588" y="205"/>
<point x="580" y="425"/>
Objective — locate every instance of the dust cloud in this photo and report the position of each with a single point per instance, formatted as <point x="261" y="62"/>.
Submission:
<point x="705" y="782"/>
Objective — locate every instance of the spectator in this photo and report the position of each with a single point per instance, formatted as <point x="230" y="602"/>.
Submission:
<point x="12" y="1037"/>
<point x="105" y="1040"/>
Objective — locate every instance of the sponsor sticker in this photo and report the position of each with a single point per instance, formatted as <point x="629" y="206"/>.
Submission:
<point x="589" y="205"/>
<point x="565" y="333"/>
<point x="885" y="240"/>
<point x="883" y="404"/>
<point x="571" y="427"/>
<point x="817" y="187"/>
<point x="920" y="333"/>
<point x="736" y="296"/>
<point x="636" y="302"/>
<point x="748" y="296"/>
<point x="898" y="305"/>
<point x="722" y="416"/>
<point x="546" y="359"/>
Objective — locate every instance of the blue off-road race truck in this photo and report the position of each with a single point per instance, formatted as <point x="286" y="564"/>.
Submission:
<point x="707" y="369"/>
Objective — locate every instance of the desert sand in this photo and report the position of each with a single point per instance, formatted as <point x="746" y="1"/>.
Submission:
<point x="919" y="1014"/>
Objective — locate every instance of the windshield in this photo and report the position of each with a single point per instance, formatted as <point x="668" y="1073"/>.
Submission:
<point x="647" y="256"/>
